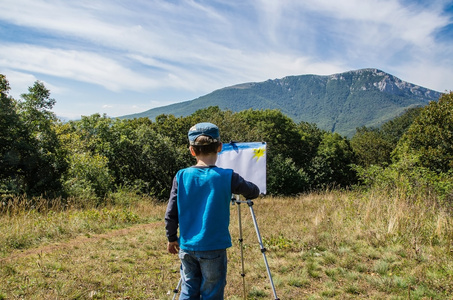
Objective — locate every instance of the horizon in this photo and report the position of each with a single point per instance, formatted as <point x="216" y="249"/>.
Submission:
<point x="118" y="60"/>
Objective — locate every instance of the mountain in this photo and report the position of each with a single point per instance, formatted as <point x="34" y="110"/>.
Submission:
<point x="337" y="103"/>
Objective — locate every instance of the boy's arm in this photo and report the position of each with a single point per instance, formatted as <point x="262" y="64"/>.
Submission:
<point x="243" y="187"/>
<point x="171" y="214"/>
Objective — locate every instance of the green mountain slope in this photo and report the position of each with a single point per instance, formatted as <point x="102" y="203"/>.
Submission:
<point x="337" y="103"/>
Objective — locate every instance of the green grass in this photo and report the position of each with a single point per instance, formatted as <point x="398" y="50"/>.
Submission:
<point x="334" y="245"/>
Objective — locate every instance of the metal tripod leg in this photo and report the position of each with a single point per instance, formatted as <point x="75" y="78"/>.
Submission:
<point x="242" y="247"/>
<point x="260" y="241"/>
<point x="176" y="290"/>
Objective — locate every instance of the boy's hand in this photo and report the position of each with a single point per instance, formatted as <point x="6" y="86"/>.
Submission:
<point x="173" y="247"/>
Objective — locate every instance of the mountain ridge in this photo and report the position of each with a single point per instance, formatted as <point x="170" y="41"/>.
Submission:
<point x="338" y="103"/>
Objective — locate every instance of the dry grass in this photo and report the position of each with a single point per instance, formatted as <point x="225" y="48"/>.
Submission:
<point x="332" y="245"/>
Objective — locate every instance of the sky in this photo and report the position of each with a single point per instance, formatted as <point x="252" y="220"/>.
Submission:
<point x="119" y="57"/>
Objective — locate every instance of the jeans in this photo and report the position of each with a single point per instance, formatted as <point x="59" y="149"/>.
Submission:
<point x="203" y="274"/>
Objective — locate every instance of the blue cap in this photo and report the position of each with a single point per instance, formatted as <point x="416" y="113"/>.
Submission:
<point x="206" y="129"/>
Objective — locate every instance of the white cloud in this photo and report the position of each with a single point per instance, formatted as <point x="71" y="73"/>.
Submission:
<point x="77" y="65"/>
<point x="20" y="82"/>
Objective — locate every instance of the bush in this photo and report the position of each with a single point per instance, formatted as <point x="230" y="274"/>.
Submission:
<point x="284" y="178"/>
<point x="88" y="176"/>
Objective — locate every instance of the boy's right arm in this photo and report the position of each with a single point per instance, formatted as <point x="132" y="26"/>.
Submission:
<point x="171" y="217"/>
<point x="243" y="187"/>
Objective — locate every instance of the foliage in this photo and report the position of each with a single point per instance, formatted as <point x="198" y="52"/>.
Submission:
<point x="395" y="128"/>
<point x="332" y="164"/>
<point x="422" y="159"/>
<point x="286" y="178"/>
<point x="88" y="176"/>
<point x="430" y="137"/>
<point x="410" y="180"/>
<point x="31" y="154"/>
<point x="10" y="133"/>
<point x="373" y="146"/>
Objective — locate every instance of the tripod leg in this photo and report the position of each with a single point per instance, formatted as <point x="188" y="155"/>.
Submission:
<point x="176" y="290"/>
<point x="242" y="248"/>
<point x="263" y="250"/>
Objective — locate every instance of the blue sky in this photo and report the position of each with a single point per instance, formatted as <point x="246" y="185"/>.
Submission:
<point x="120" y="57"/>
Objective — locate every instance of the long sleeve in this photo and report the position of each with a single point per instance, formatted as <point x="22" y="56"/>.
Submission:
<point x="243" y="187"/>
<point x="171" y="214"/>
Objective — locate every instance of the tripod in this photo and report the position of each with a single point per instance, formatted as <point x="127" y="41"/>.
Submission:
<point x="235" y="200"/>
<point x="260" y="241"/>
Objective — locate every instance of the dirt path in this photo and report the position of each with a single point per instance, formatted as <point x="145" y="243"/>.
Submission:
<point x="82" y="239"/>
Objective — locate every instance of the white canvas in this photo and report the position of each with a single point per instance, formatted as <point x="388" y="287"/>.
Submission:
<point x="246" y="159"/>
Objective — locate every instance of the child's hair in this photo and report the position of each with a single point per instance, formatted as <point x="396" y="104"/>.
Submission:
<point x="207" y="145"/>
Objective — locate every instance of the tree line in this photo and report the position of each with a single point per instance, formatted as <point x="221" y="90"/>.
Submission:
<point x="95" y="156"/>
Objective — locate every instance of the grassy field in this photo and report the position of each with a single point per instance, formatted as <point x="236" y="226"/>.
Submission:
<point x="332" y="245"/>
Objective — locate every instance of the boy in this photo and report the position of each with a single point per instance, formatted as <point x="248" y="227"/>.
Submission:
<point x="200" y="204"/>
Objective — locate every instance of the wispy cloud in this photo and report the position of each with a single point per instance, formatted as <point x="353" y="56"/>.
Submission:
<point x="151" y="46"/>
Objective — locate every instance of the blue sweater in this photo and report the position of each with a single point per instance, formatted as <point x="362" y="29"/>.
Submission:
<point x="200" y="204"/>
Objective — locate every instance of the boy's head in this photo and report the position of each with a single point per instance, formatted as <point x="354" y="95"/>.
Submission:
<point x="204" y="138"/>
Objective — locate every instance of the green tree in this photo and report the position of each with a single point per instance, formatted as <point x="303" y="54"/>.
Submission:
<point x="285" y="178"/>
<point x="430" y="137"/>
<point x="232" y="126"/>
<point x="44" y="160"/>
<point x="332" y="165"/>
<point x="144" y="159"/>
<point x="273" y="127"/>
<point x="174" y="128"/>
<point x="88" y="176"/>
<point x="371" y="147"/>
<point x="284" y="144"/>
<point x="138" y="154"/>
<point x="394" y="129"/>
<point x="310" y="139"/>
<point x="32" y="160"/>
<point x="11" y="135"/>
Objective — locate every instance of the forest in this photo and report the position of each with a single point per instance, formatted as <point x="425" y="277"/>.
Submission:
<point x="93" y="157"/>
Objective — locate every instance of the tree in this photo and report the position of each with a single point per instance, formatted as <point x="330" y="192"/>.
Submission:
<point x="43" y="158"/>
<point x="430" y="137"/>
<point x="394" y="129"/>
<point x="310" y="139"/>
<point x="333" y="162"/>
<point x="371" y="147"/>
<point x="11" y="134"/>
<point x="285" y="178"/>
<point x="273" y="127"/>
<point x="174" y="128"/>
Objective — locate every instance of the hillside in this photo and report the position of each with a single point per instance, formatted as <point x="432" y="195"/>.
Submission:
<point x="337" y="103"/>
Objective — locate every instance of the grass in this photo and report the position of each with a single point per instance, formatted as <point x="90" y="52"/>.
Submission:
<point x="332" y="245"/>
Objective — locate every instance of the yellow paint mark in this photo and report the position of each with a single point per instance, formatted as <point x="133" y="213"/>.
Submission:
<point x="258" y="153"/>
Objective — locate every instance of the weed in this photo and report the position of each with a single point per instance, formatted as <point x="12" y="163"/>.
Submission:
<point x="329" y="258"/>
<point x="330" y="292"/>
<point x="257" y="293"/>
<point x="277" y="242"/>
<point x="313" y="269"/>
<point x="381" y="267"/>
<point x="298" y="282"/>
<point x="332" y="273"/>
<point x="353" y="288"/>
